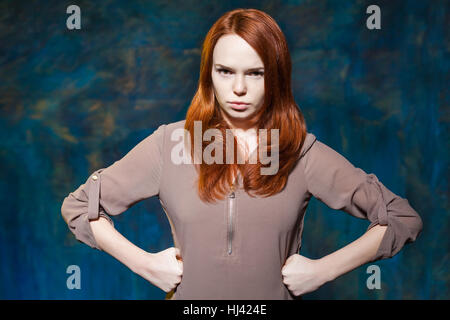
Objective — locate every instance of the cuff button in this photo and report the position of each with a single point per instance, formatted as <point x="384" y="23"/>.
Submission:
<point x="94" y="177"/>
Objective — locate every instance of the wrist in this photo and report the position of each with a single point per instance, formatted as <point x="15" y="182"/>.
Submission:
<point x="140" y="260"/>
<point x="325" y="270"/>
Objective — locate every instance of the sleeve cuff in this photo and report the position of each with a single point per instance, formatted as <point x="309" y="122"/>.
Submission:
<point x="94" y="212"/>
<point x="94" y="195"/>
<point x="402" y="221"/>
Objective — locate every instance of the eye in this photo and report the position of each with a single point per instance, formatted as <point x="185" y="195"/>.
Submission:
<point x="257" y="73"/>
<point x="223" y="71"/>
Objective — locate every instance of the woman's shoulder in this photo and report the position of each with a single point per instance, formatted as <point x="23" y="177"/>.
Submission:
<point x="165" y="129"/>
<point x="176" y="124"/>
<point x="171" y="126"/>
<point x="310" y="139"/>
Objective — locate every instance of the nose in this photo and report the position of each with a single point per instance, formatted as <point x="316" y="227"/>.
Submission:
<point x="239" y="85"/>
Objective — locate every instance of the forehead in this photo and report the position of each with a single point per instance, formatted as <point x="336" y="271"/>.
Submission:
<point x="234" y="52"/>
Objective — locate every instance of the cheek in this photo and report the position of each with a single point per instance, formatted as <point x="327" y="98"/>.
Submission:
<point x="260" y="93"/>
<point x="220" y="89"/>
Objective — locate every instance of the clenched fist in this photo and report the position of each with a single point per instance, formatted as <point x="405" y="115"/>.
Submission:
<point x="163" y="269"/>
<point x="302" y="275"/>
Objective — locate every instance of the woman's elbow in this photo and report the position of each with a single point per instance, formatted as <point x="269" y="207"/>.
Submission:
<point x="70" y="209"/>
<point x="415" y="227"/>
<point x="64" y="211"/>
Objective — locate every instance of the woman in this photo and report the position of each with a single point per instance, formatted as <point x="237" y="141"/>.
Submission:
<point x="237" y="232"/>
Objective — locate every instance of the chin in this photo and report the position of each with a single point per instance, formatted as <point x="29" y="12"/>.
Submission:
<point x="240" y="115"/>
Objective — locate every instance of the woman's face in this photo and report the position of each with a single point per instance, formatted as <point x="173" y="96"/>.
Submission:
<point x="238" y="76"/>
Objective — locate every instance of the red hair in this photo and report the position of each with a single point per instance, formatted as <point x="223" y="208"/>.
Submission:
<point x="279" y="110"/>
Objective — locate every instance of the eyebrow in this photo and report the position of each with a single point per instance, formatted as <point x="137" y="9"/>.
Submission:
<point x="252" y="69"/>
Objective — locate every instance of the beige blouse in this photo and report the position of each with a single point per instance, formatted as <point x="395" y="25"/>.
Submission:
<point x="235" y="248"/>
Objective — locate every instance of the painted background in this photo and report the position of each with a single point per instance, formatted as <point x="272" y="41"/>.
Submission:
<point x="75" y="101"/>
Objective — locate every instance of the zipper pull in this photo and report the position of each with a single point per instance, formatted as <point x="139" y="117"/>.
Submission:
<point x="232" y="195"/>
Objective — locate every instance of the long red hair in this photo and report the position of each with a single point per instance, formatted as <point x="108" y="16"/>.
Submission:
<point x="279" y="109"/>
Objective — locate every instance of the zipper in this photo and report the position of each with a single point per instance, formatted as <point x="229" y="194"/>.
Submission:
<point x="231" y="211"/>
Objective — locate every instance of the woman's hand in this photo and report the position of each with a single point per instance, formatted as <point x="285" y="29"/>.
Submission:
<point x="302" y="275"/>
<point x="163" y="269"/>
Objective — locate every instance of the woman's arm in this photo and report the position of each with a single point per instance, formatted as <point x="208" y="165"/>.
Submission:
<point x="332" y="179"/>
<point x="353" y="255"/>
<point x="302" y="275"/>
<point x="113" y="242"/>
<point x="162" y="269"/>
<point x="113" y="190"/>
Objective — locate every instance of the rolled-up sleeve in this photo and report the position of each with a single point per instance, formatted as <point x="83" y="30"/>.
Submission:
<point x="112" y="190"/>
<point x="332" y="179"/>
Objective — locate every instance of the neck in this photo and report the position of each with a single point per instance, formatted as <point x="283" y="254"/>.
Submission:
<point x="235" y="123"/>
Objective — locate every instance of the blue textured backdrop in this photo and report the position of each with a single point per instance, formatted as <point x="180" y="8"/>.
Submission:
<point x="75" y="101"/>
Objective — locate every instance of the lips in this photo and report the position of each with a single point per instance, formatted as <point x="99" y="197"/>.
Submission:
<point x="239" y="105"/>
<point x="238" y="102"/>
